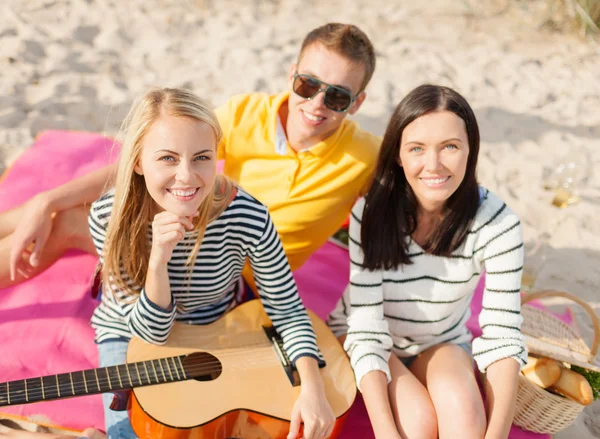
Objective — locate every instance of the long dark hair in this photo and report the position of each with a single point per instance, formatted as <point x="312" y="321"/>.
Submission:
<point x="390" y="214"/>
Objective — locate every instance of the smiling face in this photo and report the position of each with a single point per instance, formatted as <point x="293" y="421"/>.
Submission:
<point x="178" y="162"/>
<point x="310" y="121"/>
<point x="434" y="151"/>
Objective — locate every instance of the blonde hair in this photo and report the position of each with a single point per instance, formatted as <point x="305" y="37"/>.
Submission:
<point x="126" y="250"/>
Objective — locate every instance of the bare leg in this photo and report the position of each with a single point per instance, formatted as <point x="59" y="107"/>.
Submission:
<point x="413" y="409"/>
<point x="447" y="372"/>
<point x="9" y="220"/>
<point x="69" y="230"/>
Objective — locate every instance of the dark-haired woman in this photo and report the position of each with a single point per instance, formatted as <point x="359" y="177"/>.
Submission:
<point x="419" y="241"/>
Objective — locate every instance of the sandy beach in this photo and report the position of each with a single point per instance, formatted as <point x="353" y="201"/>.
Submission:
<point x="76" y="65"/>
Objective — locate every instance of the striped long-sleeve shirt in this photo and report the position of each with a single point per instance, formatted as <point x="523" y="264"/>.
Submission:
<point x="243" y="230"/>
<point x="414" y="307"/>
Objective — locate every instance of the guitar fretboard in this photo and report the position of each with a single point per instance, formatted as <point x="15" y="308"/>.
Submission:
<point x="92" y="381"/>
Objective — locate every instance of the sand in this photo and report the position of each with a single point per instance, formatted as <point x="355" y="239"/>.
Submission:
<point x="536" y="91"/>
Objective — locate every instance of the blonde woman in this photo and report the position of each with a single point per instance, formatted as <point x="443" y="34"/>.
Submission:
<point x="173" y="238"/>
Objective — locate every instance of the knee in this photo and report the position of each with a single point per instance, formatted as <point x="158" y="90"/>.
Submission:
<point x="68" y="222"/>
<point x="471" y="417"/>
<point x="459" y="407"/>
<point x="419" y="421"/>
<point x="71" y="227"/>
<point x="424" y="423"/>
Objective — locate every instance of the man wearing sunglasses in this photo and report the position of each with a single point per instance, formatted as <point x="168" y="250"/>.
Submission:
<point x="295" y="151"/>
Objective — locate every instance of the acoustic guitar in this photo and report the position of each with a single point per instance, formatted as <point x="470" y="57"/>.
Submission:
<point x="229" y="379"/>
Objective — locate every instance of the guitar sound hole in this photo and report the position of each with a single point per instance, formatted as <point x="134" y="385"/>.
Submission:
<point x="202" y="366"/>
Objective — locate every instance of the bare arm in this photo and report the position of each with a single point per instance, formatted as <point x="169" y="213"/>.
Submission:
<point x="501" y="384"/>
<point x="312" y="406"/>
<point x="167" y="230"/>
<point x="375" y="394"/>
<point x="37" y="214"/>
<point x="152" y="316"/>
<point x="157" y="285"/>
<point x="82" y="190"/>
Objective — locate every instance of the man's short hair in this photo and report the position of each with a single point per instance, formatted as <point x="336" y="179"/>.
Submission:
<point x="347" y="40"/>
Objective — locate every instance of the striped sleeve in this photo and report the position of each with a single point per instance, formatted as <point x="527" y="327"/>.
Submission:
<point x="369" y="341"/>
<point x="337" y="321"/>
<point x="500" y="318"/>
<point x="143" y="317"/>
<point x="149" y="321"/>
<point x="98" y="222"/>
<point x="280" y="298"/>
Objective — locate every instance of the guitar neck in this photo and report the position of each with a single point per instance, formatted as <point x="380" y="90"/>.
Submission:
<point x="92" y="381"/>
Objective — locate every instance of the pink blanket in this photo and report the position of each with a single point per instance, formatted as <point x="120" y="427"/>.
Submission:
<point x="44" y="322"/>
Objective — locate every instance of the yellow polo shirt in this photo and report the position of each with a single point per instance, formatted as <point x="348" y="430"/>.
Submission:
<point x="310" y="193"/>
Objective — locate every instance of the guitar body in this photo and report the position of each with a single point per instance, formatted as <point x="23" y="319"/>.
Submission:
<point x="252" y="396"/>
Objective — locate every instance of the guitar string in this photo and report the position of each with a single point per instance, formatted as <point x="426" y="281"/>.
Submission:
<point x="264" y="358"/>
<point x="192" y="370"/>
<point x="205" y="367"/>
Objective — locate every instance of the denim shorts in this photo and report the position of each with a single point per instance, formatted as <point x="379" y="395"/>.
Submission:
<point x="118" y="426"/>
<point x="407" y="361"/>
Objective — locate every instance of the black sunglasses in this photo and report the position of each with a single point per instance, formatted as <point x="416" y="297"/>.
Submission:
<point x="336" y="98"/>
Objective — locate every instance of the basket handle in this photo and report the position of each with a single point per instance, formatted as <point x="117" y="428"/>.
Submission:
<point x="593" y="316"/>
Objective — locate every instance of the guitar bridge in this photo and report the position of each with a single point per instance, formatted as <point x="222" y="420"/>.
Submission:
<point x="277" y="343"/>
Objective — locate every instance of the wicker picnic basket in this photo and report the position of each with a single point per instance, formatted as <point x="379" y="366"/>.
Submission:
<point x="537" y="409"/>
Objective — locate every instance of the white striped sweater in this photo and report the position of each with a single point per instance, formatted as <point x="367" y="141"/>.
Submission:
<point x="417" y="306"/>
<point x="243" y="230"/>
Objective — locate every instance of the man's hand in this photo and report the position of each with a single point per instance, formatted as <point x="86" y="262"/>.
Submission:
<point x="33" y="230"/>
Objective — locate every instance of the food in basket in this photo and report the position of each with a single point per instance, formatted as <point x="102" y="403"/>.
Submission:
<point x="542" y="371"/>
<point x="548" y="336"/>
<point x="574" y="386"/>
<point x="592" y="377"/>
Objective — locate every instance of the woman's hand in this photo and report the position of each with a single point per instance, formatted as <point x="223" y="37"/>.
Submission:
<point x="34" y="229"/>
<point x="314" y="410"/>
<point x="167" y="230"/>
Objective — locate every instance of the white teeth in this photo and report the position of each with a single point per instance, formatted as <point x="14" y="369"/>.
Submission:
<point x="434" y="180"/>
<point x="180" y="193"/>
<point x="313" y="117"/>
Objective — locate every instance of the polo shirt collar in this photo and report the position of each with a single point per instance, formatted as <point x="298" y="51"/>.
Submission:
<point x="273" y="117"/>
<point x="318" y="149"/>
